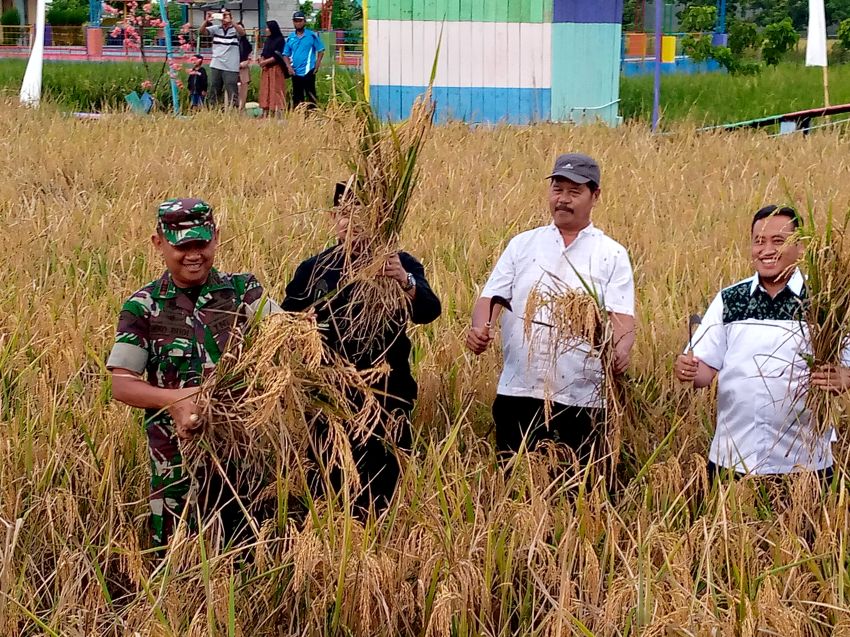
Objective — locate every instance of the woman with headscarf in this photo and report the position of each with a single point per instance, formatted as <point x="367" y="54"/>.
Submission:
<point x="273" y="76"/>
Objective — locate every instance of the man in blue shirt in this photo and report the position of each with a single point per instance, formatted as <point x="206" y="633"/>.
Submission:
<point x="303" y="53"/>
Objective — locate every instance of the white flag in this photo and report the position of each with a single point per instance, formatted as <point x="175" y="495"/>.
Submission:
<point x="816" y="45"/>
<point x="31" y="86"/>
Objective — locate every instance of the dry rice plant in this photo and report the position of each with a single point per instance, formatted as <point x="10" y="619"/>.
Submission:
<point x="384" y="161"/>
<point x="827" y="316"/>
<point x="576" y="320"/>
<point x="466" y="549"/>
<point x="265" y="395"/>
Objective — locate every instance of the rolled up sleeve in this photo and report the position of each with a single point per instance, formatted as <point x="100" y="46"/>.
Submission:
<point x="501" y="281"/>
<point x="709" y="340"/>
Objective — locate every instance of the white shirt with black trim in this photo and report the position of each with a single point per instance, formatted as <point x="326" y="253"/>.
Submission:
<point x="759" y="347"/>
<point x="539" y="257"/>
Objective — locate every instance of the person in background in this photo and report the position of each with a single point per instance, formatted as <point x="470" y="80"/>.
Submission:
<point x="245" y="50"/>
<point x="273" y="75"/>
<point x="303" y="54"/>
<point x="197" y="82"/>
<point x="224" y="67"/>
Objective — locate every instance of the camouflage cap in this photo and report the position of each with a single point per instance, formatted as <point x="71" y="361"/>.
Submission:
<point x="184" y="220"/>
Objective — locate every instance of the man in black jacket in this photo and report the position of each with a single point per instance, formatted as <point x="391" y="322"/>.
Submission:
<point x="315" y="286"/>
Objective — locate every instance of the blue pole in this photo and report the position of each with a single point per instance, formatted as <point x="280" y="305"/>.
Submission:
<point x="169" y="55"/>
<point x="721" y="17"/>
<point x="656" y="91"/>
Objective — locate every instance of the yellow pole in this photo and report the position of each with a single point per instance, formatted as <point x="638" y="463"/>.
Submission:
<point x="826" y="86"/>
<point x="366" y="49"/>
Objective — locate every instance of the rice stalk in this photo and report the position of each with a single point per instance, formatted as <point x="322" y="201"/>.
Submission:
<point x="262" y="402"/>
<point x="384" y="162"/>
<point x="560" y="319"/>
<point x="827" y="310"/>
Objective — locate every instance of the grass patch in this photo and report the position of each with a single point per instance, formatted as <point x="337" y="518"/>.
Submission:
<point x="718" y="98"/>
<point x="101" y="86"/>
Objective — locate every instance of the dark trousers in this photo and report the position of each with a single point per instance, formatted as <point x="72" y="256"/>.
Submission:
<point x="304" y="89"/>
<point x="377" y="464"/>
<point x="520" y="418"/>
<point x="715" y="472"/>
<point x="222" y="82"/>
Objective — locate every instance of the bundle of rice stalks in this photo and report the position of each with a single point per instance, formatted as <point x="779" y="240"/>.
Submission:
<point x="827" y="314"/>
<point x="384" y="165"/>
<point x="268" y="393"/>
<point x="576" y="320"/>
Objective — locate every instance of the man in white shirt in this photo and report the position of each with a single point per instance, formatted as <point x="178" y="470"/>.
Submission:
<point x="753" y="339"/>
<point x="569" y="250"/>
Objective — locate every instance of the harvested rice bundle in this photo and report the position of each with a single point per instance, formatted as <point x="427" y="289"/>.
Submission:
<point x="576" y="319"/>
<point x="827" y="313"/>
<point x="384" y="166"/>
<point x="258" y="407"/>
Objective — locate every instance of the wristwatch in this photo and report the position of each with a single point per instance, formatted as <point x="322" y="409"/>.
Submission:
<point x="411" y="283"/>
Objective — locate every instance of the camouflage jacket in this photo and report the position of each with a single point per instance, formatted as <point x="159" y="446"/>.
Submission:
<point x="176" y="342"/>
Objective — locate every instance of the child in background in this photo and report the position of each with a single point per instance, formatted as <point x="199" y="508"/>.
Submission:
<point x="197" y="82"/>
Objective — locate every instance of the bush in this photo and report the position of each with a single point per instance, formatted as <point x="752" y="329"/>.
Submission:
<point x="67" y="13"/>
<point x="743" y="36"/>
<point x="844" y="33"/>
<point x="699" y="19"/>
<point x="779" y="38"/>
<point x="10" y="18"/>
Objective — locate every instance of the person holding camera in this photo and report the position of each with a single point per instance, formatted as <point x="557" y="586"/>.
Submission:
<point x="224" y="66"/>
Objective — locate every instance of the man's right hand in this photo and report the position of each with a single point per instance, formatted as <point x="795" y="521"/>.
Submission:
<point x="478" y="339"/>
<point x="184" y="412"/>
<point x="686" y="368"/>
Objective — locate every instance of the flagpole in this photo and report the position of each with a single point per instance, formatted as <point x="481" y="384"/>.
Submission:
<point x="656" y="89"/>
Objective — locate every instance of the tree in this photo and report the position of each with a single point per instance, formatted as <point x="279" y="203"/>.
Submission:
<point x="742" y="36"/>
<point x="779" y="38"/>
<point x="69" y="13"/>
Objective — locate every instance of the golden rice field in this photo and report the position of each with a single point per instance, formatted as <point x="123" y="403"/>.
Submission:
<point x="467" y="549"/>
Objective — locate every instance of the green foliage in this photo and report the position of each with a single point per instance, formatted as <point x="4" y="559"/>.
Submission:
<point x="68" y="13"/>
<point x="844" y="33"/>
<point x="697" y="47"/>
<point x="837" y="11"/>
<point x="742" y="36"/>
<point x="345" y="14"/>
<point x="84" y="86"/>
<point x="698" y="19"/>
<point x="10" y="17"/>
<point x="779" y="38"/>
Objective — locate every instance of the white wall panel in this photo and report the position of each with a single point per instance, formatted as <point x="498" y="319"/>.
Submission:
<point x="472" y="54"/>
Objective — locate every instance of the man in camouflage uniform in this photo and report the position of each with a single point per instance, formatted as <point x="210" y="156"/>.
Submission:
<point x="174" y="330"/>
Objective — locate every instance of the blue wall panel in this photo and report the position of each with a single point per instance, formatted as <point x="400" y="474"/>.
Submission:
<point x="472" y="105"/>
<point x="588" y="11"/>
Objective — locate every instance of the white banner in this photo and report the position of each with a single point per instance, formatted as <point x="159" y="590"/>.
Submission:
<point x="31" y="86"/>
<point x="816" y="45"/>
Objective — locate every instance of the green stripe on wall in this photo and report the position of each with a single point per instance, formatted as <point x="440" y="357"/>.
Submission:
<point x="462" y="10"/>
<point x="585" y="70"/>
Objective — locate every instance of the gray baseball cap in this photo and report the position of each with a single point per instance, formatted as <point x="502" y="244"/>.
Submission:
<point x="299" y="15"/>
<point x="578" y="168"/>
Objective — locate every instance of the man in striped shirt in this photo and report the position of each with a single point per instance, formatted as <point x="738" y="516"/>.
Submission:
<point x="224" y="67"/>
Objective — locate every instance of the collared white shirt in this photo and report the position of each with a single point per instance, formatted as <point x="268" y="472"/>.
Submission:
<point x="759" y="346"/>
<point x="533" y="258"/>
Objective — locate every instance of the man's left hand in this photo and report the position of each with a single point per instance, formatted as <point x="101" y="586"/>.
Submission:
<point x="832" y="378"/>
<point x="394" y="270"/>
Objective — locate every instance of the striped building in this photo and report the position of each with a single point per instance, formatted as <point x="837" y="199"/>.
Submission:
<point x="512" y="61"/>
